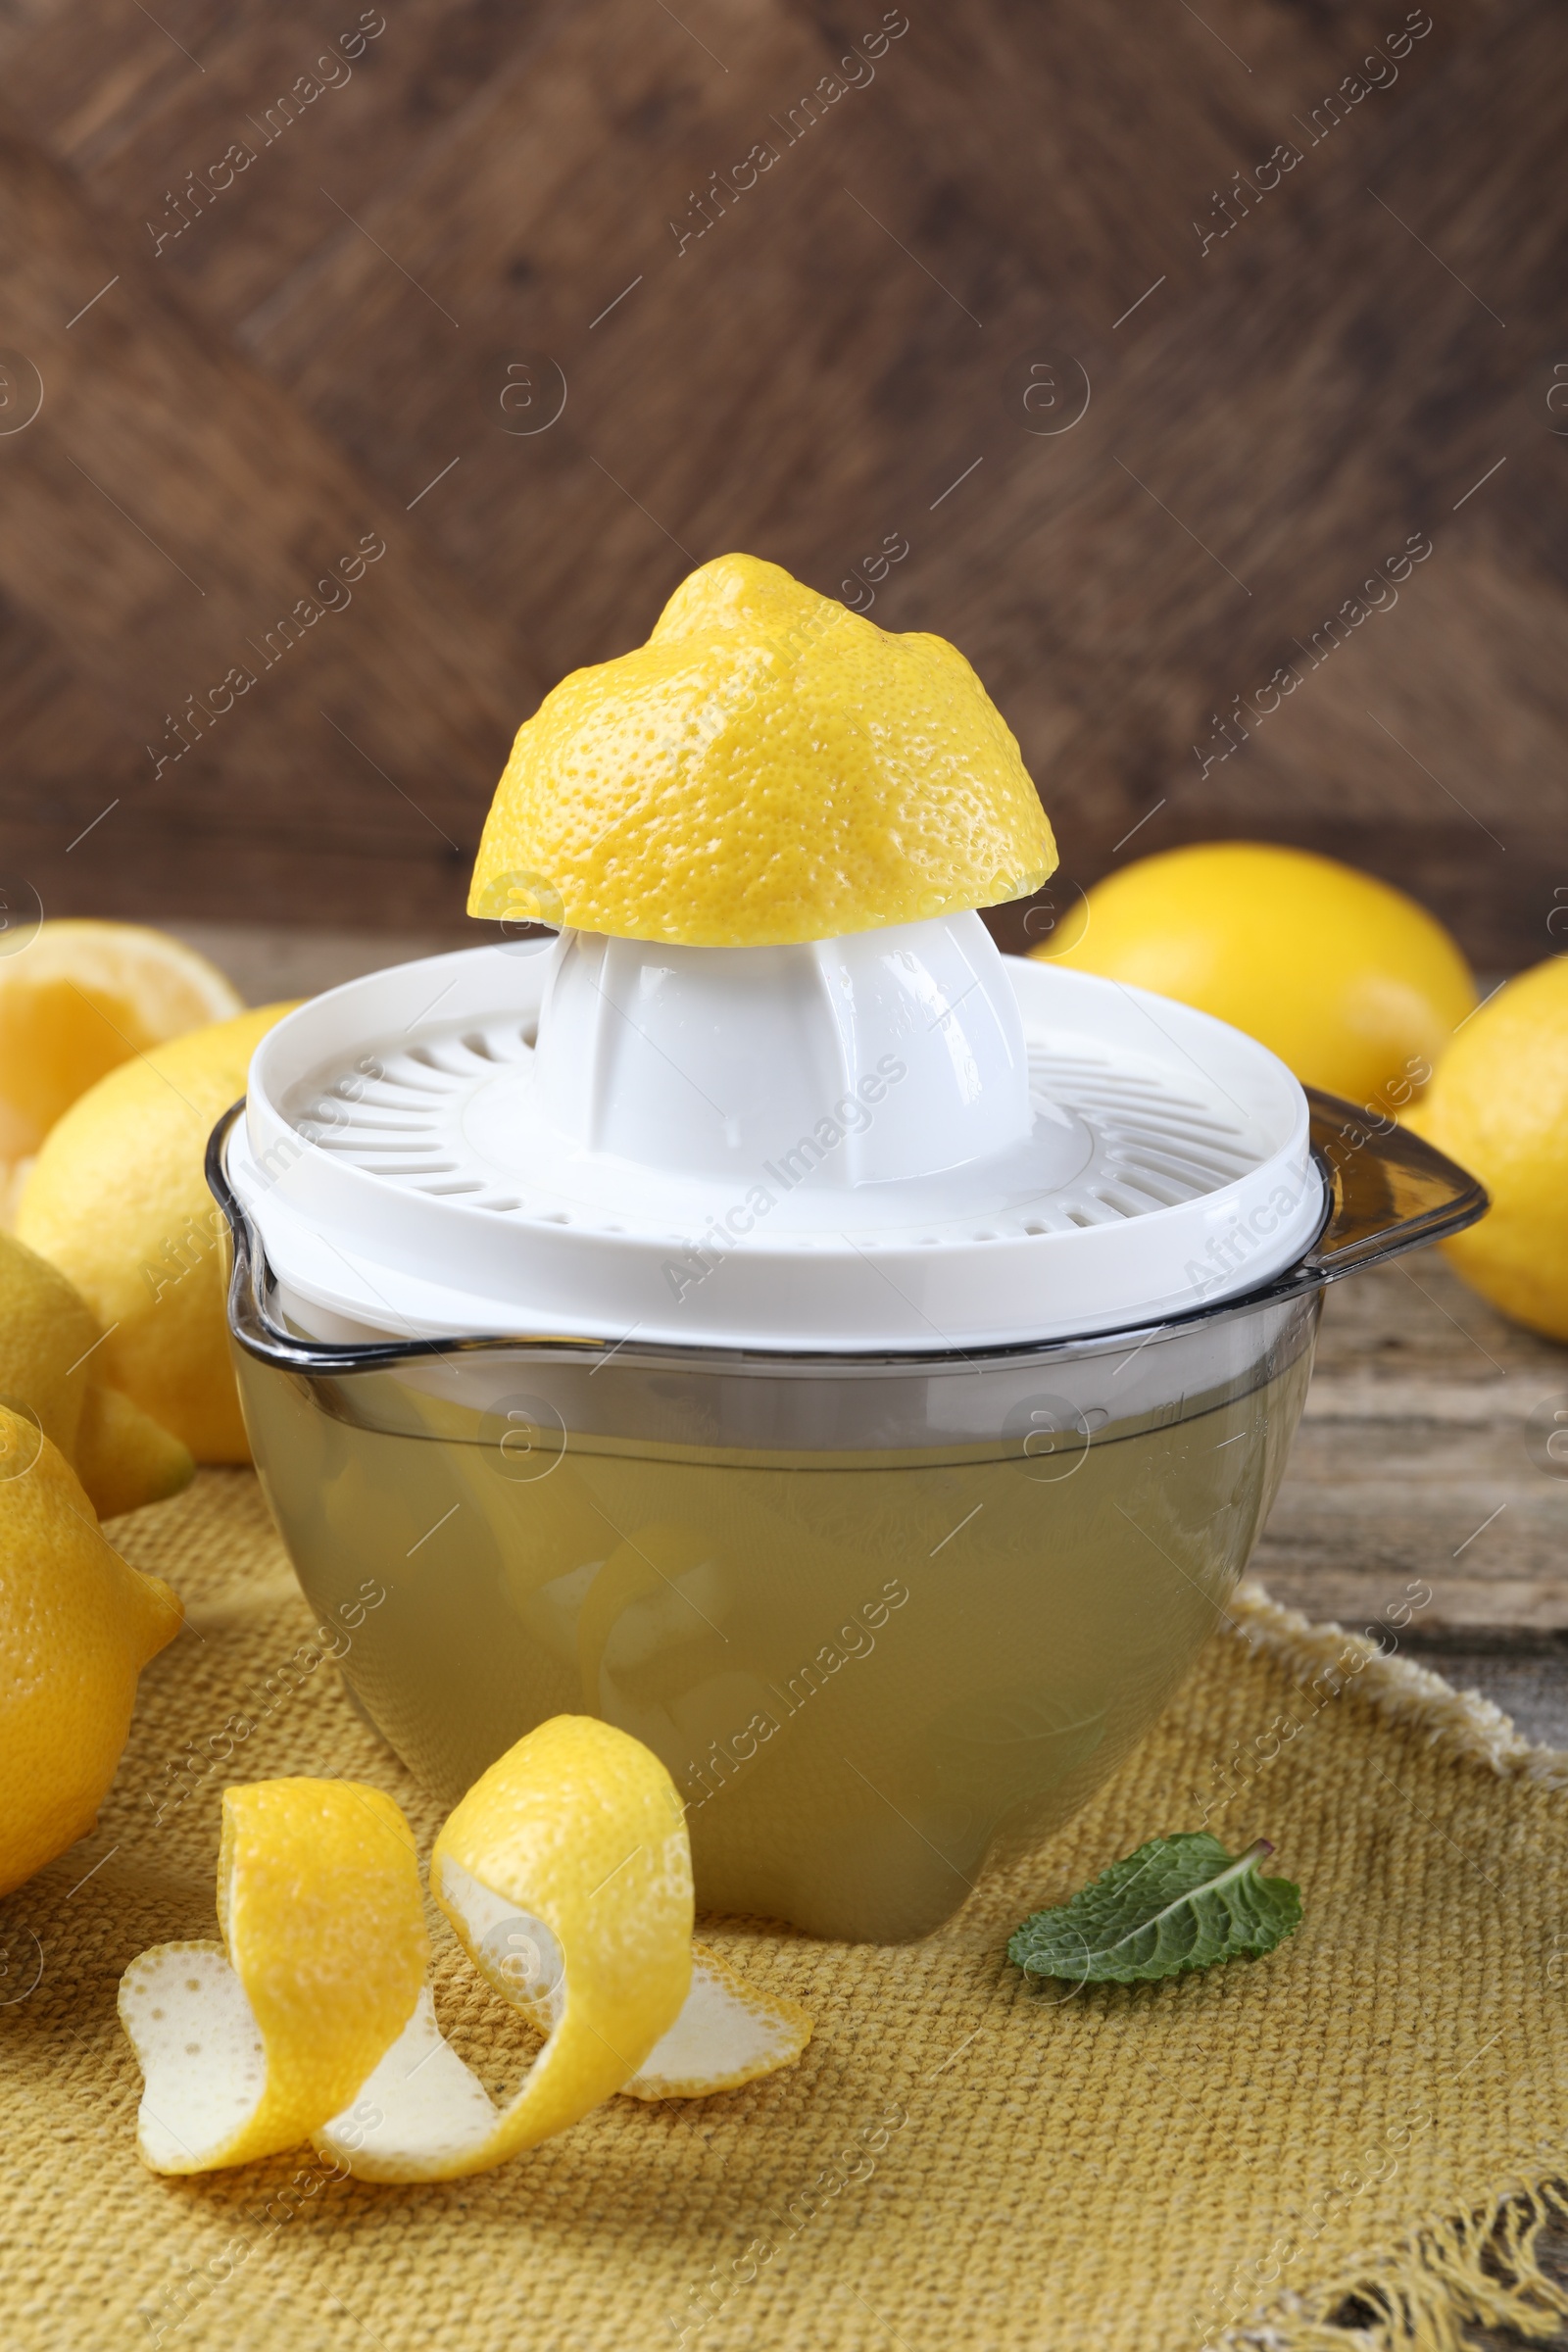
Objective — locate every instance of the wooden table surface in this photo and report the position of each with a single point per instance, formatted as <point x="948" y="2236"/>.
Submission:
<point x="1415" y="1466"/>
<point x="1412" y="1482"/>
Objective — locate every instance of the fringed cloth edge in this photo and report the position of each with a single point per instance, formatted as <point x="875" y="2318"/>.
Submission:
<point x="1484" y="2269"/>
<point x="1461" y="1724"/>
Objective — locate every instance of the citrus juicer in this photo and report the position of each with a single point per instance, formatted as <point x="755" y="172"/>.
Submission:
<point x="857" y="1364"/>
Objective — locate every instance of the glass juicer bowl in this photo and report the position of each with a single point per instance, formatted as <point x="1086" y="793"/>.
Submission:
<point x="886" y="1613"/>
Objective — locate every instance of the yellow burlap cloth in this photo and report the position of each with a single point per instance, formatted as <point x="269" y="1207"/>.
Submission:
<point x="960" y="2159"/>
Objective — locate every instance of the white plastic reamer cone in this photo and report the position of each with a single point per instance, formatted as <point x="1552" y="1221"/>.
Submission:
<point x="899" y="1141"/>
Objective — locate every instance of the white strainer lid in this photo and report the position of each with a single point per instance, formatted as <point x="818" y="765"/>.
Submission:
<point x="896" y="1141"/>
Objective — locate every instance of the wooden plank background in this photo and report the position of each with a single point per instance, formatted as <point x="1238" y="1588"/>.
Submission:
<point x="1419" y="1498"/>
<point x="269" y="269"/>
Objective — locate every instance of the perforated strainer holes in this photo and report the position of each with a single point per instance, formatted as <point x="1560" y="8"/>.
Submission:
<point x="362" y="1136"/>
<point x="366" y="1127"/>
<point x="1158" y="1144"/>
<point x="427" y="1057"/>
<point x="1158" y="1140"/>
<point x="1195" y="1139"/>
<point x="1118" y="1203"/>
<point x="397" y="1115"/>
<point x="1138" y="1179"/>
<point x="1196" y="1145"/>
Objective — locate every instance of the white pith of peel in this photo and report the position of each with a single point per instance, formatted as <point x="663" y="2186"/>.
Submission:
<point x="566" y="1872"/>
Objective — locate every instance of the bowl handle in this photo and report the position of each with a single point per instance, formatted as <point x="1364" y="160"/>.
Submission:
<point x="1388" y="1191"/>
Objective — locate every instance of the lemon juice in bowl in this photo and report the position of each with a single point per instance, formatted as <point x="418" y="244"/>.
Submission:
<point x="866" y="1671"/>
<point x="763" y="1316"/>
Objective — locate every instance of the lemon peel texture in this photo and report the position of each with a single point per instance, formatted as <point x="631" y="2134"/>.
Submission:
<point x="573" y="1843"/>
<point x="51" y="1349"/>
<point x="123" y="1459"/>
<point x="78" y="1624"/>
<point x="770" y="767"/>
<point x="1353" y="984"/>
<point x="79" y="997"/>
<point x="246" y="2044"/>
<point x="1499" y="1104"/>
<point x="116" y="1199"/>
<point x="566" y="1875"/>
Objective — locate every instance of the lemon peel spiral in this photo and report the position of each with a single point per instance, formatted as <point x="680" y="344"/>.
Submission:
<point x="566" y="1875"/>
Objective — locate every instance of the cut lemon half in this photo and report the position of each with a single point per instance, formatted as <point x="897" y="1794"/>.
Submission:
<point x="79" y="998"/>
<point x="770" y="767"/>
<point x="566" y="1872"/>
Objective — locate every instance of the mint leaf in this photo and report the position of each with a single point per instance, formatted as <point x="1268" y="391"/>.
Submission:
<point x="1178" y="1902"/>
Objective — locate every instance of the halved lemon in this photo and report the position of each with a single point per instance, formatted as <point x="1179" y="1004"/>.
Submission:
<point x="769" y="768"/>
<point x="79" y="997"/>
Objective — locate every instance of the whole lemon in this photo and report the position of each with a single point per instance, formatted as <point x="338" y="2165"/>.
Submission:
<point x="1498" y="1105"/>
<point x="116" y="1199"/>
<point x="1353" y="984"/>
<point x="78" y="1624"/>
<point x="50" y="1349"/>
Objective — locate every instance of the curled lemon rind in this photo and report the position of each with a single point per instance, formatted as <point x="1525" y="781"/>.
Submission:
<point x="246" y="2046"/>
<point x="566" y="1872"/>
<point x="570" y="1859"/>
<point x="729" y="2031"/>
